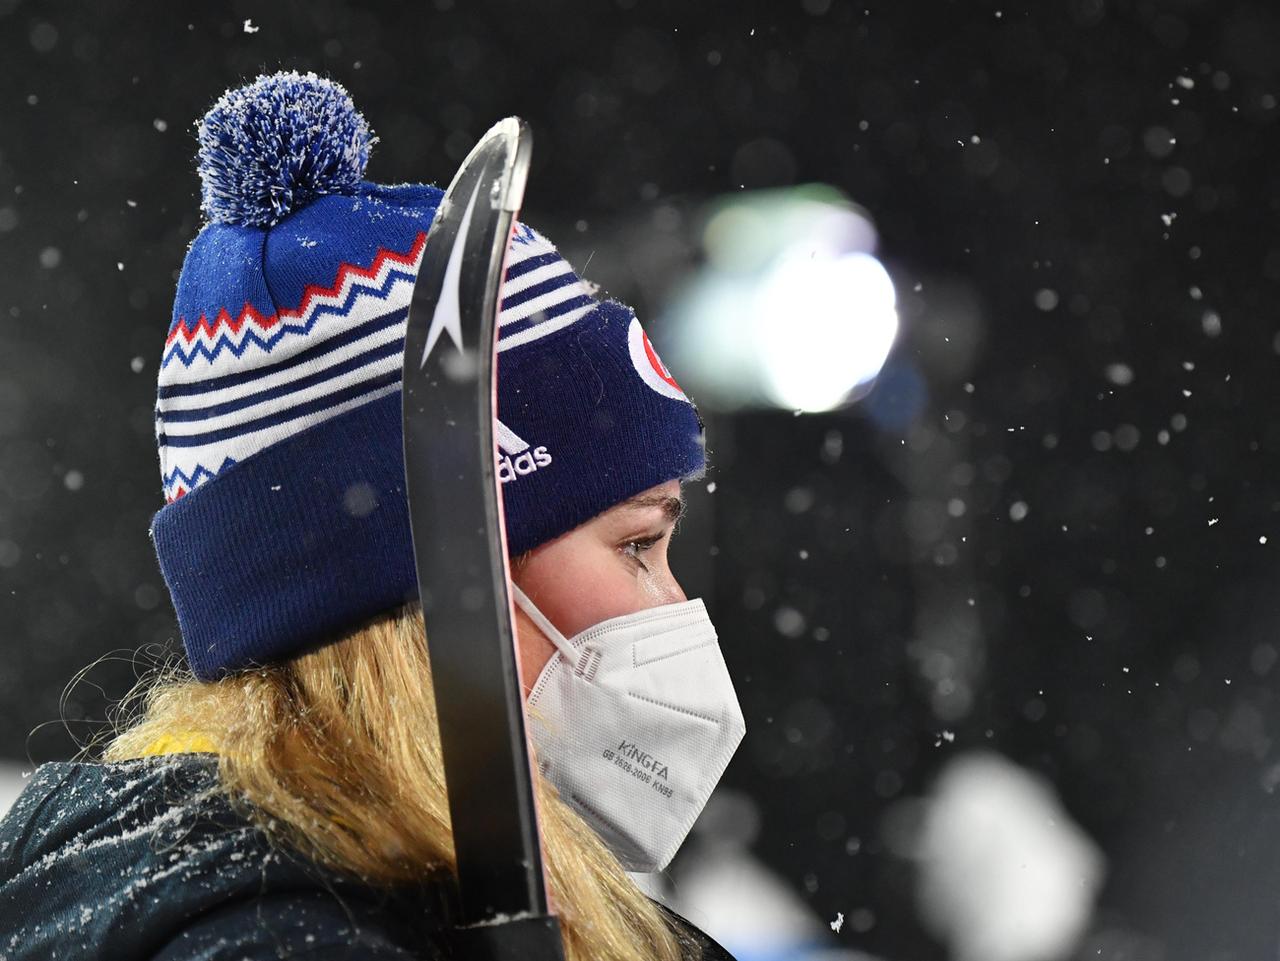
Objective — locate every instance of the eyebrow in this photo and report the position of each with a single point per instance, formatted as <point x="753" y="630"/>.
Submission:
<point x="672" y="507"/>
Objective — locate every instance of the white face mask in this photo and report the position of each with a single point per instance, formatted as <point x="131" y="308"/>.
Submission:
<point x="634" y="721"/>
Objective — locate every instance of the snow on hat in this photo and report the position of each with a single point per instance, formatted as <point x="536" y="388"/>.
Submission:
<point x="278" y="414"/>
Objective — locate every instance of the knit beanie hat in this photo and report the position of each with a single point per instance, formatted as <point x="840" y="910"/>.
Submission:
<point x="278" y="415"/>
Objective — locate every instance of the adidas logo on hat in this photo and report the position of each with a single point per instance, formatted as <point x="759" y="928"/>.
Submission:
<point x="518" y="457"/>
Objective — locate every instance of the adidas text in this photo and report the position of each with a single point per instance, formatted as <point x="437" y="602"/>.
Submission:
<point x="513" y="468"/>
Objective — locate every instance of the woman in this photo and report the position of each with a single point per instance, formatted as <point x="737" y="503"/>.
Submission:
<point x="284" y="796"/>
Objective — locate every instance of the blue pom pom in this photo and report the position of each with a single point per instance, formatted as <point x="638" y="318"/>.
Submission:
<point x="271" y="147"/>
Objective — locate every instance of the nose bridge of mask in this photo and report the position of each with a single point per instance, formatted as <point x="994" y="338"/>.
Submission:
<point x="650" y="621"/>
<point x="544" y="624"/>
<point x="653" y="624"/>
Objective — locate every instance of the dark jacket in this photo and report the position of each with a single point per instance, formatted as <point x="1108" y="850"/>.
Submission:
<point x="141" y="861"/>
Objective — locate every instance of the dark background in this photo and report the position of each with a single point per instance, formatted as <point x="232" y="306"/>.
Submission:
<point x="1115" y="370"/>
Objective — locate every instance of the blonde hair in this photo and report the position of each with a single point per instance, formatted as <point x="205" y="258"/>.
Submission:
<point x="335" y="753"/>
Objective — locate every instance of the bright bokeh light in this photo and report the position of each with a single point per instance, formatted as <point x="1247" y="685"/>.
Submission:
<point x="1005" y="874"/>
<point x="823" y="324"/>
<point x="791" y="310"/>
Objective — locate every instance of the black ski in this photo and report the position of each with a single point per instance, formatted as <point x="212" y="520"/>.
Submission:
<point x="459" y="543"/>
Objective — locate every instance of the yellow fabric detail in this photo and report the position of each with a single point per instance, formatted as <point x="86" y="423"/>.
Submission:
<point x="180" y="743"/>
<point x="190" y="741"/>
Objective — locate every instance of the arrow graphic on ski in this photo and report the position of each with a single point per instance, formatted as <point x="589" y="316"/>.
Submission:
<point x="448" y="312"/>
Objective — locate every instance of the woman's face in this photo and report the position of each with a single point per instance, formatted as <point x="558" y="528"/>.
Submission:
<point x="615" y="563"/>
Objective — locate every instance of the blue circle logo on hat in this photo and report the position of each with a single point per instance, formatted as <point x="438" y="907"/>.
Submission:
<point x="649" y="365"/>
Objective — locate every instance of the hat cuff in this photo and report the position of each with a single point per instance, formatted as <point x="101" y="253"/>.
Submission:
<point x="293" y="545"/>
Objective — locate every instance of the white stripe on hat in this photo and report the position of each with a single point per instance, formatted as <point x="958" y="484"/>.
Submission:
<point x="536" y="276"/>
<point x="543" y="329"/>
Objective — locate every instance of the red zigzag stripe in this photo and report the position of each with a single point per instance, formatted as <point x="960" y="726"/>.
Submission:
<point x="224" y="319"/>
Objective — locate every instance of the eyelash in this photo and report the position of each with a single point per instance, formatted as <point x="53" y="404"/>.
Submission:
<point x="641" y="545"/>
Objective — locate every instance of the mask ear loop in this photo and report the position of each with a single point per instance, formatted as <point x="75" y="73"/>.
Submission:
<point x="547" y="628"/>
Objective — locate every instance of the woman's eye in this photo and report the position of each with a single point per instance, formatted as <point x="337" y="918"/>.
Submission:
<point x="634" y="549"/>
